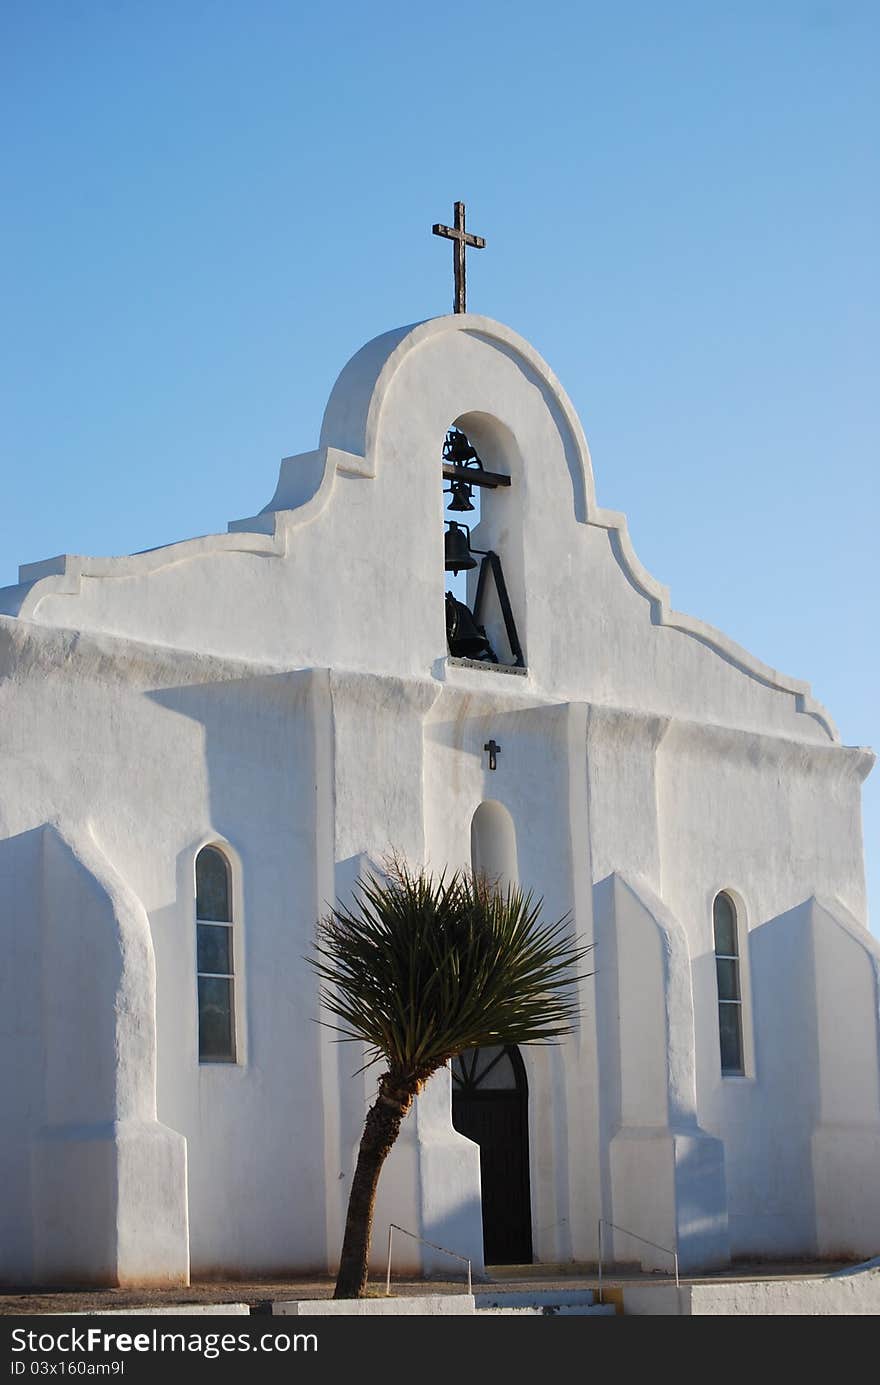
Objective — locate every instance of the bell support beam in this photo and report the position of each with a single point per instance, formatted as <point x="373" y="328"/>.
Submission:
<point x="473" y="477"/>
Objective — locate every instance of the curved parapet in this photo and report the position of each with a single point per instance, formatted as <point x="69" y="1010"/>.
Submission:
<point x="383" y="425"/>
<point x="353" y="417"/>
<point x="352" y="422"/>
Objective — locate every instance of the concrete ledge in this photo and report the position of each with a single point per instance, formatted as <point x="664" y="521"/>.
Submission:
<point x="431" y="1305"/>
<point x="483" y="665"/>
<point x="855" y="1295"/>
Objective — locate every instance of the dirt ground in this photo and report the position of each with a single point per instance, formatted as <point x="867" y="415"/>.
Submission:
<point x="82" y="1300"/>
<point x="260" y="1294"/>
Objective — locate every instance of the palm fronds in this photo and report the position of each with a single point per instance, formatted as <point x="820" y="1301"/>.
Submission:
<point x="422" y="967"/>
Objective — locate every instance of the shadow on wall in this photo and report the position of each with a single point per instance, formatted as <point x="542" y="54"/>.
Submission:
<point x="248" y="746"/>
<point x="553" y="1183"/>
<point x="607" y="1033"/>
<point x="22" y="1055"/>
<point x="251" y="755"/>
<point x="779" y="1111"/>
<point x="357" y="1084"/>
<point x="767" y="1121"/>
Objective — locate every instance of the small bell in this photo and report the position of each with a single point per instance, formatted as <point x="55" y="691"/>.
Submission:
<point x="461" y="496"/>
<point x="457" y="548"/>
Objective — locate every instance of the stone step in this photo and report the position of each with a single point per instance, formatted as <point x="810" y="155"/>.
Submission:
<point x="552" y="1310"/>
<point x="534" y="1298"/>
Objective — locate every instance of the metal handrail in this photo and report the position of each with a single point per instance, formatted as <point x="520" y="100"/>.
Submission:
<point x="392" y="1227"/>
<point x="645" y="1242"/>
<point x="551" y="1225"/>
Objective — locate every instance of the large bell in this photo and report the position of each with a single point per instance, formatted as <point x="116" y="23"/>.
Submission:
<point x="465" y="638"/>
<point x="457" y="449"/>
<point x="457" y="548"/>
<point x="461" y="496"/>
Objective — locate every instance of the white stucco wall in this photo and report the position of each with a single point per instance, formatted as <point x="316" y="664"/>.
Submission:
<point x="854" y="1294"/>
<point x="771" y="822"/>
<point x="168" y="754"/>
<point x="283" y="691"/>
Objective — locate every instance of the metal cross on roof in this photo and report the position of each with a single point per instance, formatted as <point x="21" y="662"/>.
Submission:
<point x="460" y="239"/>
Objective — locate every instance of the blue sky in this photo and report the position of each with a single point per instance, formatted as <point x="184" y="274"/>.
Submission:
<point x="210" y="206"/>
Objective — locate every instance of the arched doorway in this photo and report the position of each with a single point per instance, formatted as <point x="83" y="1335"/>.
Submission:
<point x="490" y="1105"/>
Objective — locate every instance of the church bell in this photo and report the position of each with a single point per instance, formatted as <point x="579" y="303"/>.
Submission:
<point x="456" y="542"/>
<point x="457" y="449"/>
<point x="457" y="452"/>
<point x="465" y="638"/>
<point x="461" y="496"/>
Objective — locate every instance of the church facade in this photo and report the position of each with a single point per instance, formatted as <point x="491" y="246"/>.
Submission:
<point x="205" y="744"/>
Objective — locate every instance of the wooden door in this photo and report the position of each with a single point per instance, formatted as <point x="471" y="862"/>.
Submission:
<point x="490" y="1107"/>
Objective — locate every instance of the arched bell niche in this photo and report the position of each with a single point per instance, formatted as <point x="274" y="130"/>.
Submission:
<point x="493" y="844"/>
<point x="485" y="604"/>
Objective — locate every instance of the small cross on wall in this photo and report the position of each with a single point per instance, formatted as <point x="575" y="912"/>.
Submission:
<point x="460" y="239"/>
<point x="494" y="750"/>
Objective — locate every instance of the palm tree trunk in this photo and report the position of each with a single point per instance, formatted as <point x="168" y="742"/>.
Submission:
<point x="381" y="1129"/>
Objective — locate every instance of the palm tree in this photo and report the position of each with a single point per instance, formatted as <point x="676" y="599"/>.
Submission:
<point x="420" y="969"/>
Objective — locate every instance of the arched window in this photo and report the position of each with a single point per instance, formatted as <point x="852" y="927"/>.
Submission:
<point x="214" y="952"/>
<point x="730" y="991"/>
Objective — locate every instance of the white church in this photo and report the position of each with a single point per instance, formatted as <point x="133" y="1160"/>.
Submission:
<point x="206" y="744"/>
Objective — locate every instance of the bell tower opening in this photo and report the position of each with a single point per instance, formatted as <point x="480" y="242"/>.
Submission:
<point x="468" y="597"/>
